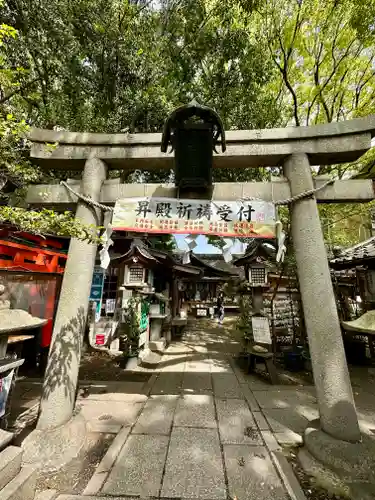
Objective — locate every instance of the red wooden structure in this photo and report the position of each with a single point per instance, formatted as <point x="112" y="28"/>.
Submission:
<point x="22" y="252"/>
<point x="29" y="252"/>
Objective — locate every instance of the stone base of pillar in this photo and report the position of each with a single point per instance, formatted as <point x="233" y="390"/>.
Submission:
<point x="52" y="449"/>
<point x="340" y="466"/>
<point x="168" y="335"/>
<point x="149" y="359"/>
<point x="156" y="325"/>
<point x="157" y="345"/>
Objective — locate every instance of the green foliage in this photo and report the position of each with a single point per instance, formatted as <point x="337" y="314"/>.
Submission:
<point x="130" y="330"/>
<point x="244" y="323"/>
<point x="48" y="222"/>
<point x="16" y="170"/>
<point x="324" y="54"/>
<point x="325" y="67"/>
<point x="122" y="66"/>
<point x="346" y="224"/>
<point x="163" y="242"/>
<point x="110" y="66"/>
<point x="362" y="19"/>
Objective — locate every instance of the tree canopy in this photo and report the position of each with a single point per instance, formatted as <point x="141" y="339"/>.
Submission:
<point x="123" y="65"/>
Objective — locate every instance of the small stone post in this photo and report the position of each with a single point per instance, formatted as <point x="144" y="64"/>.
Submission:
<point x="175" y="296"/>
<point x="338" y="416"/>
<point x="61" y="377"/>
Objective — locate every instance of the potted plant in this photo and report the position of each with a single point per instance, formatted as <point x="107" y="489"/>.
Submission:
<point x="244" y="320"/>
<point x="130" y="331"/>
<point x="245" y="327"/>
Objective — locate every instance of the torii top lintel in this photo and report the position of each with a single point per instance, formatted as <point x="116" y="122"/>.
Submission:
<point x="326" y="144"/>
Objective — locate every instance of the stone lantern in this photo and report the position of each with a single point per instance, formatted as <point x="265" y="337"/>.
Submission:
<point x="193" y="131"/>
<point x="257" y="275"/>
<point x="12" y="322"/>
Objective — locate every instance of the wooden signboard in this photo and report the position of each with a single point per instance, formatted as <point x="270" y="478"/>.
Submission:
<point x="261" y="330"/>
<point x="201" y="312"/>
<point x="285" y="313"/>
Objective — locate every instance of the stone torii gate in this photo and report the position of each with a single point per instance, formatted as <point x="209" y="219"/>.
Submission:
<point x="296" y="149"/>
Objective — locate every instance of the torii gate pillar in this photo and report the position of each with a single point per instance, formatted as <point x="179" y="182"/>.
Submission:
<point x="61" y="378"/>
<point x="338" y="416"/>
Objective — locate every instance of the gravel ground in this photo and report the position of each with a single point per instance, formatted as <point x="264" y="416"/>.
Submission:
<point x="310" y="488"/>
<point x="102" y="367"/>
<point x="73" y="478"/>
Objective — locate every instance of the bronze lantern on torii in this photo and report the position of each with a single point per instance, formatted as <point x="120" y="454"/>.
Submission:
<point x="193" y="131"/>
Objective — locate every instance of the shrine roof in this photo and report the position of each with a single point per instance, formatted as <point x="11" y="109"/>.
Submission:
<point x="360" y="254"/>
<point x="214" y="265"/>
<point x="152" y="257"/>
<point x="262" y="249"/>
<point x="221" y="265"/>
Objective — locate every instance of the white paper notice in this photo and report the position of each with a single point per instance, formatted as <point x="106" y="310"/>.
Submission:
<point x="261" y="330"/>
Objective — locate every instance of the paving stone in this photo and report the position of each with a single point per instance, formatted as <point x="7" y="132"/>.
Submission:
<point x="194" y="467"/>
<point x="10" y="464"/>
<point x="139" y="467"/>
<point x="172" y="363"/>
<point x="200" y="347"/>
<point x="257" y="383"/>
<point x="84" y="497"/>
<point x="5" y="438"/>
<point x="168" y="383"/>
<point x="199" y="365"/>
<point x="288" y="477"/>
<point x="46" y="495"/>
<point x="251" y="474"/>
<point x="226" y="386"/>
<point x="114" y="413"/>
<point x="282" y="420"/>
<point x="23" y="486"/>
<point x="240" y="374"/>
<point x="124" y="397"/>
<point x="261" y="421"/>
<point x="220" y="365"/>
<point x="284" y="399"/>
<point x="157" y="415"/>
<point x="196" y="410"/>
<point x="250" y="398"/>
<point x="270" y="440"/>
<point x="150" y="384"/>
<point x="101" y="473"/>
<point x="179" y="349"/>
<point x="236" y="423"/>
<point x="197" y="383"/>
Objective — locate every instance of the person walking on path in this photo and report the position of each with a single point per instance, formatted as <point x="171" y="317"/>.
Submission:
<point x="220" y="308"/>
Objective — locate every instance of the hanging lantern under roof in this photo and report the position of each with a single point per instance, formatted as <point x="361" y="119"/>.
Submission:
<point x="193" y="131"/>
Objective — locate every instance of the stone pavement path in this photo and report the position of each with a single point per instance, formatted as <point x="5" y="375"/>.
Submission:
<point x="199" y="435"/>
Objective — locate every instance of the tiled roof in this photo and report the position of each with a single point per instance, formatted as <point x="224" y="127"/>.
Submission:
<point x="165" y="259"/>
<point x="258" y="249"/>
<point x="221" y="265"/>
<point x="359" y="254"/>
<point x="215" y="262"/>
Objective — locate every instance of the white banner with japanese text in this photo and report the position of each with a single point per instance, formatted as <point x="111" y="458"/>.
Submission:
<point x="248" y="219"/>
